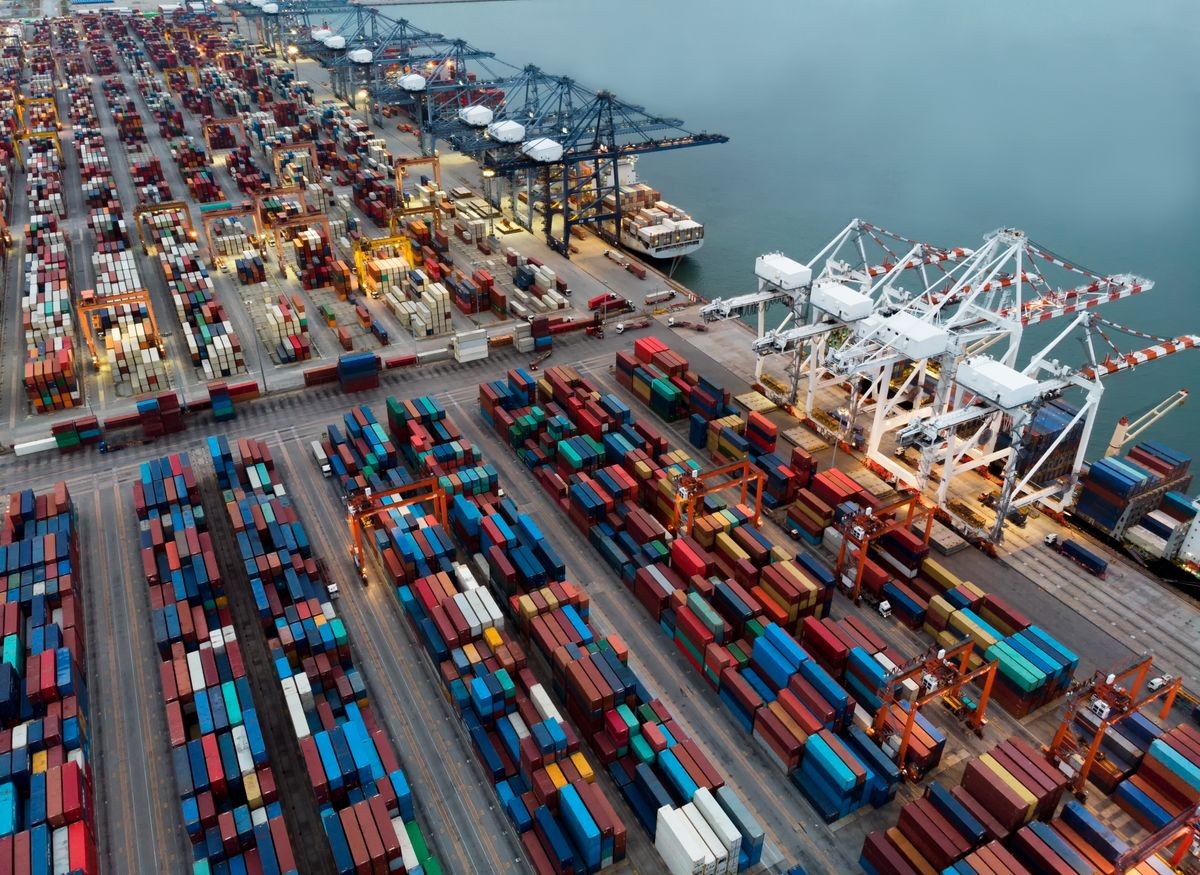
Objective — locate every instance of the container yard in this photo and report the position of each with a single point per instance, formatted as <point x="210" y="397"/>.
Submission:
<point x="413" y="527"/>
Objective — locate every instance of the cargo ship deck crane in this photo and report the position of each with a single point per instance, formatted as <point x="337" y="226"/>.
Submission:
<point x="1127" y="431"/>
<point x="1112" y="703"/>
<point x="865" y="528"/>
<point x="941" y="673"/>
<point x="362" y="509"/>
<point x="692" y="488"/>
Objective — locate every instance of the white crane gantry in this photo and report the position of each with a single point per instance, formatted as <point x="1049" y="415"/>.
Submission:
<point x="888" y="325"/>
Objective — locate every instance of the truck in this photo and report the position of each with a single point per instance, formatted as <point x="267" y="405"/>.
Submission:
<point x="1078" y="554"/>
<point x="321" y="457"/>
<point x="609" y="301"/>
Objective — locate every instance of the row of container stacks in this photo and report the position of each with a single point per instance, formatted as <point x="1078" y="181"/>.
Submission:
<point x="729" y="599"/>
<point x="249" y="178"/>
<point x="223" y="773"/>
<point x="131" y="343"/>
<point x="47" y="813"/>
<point x="364" y="798"/>
<point x="229" y="239"/>
<point x="51" y="379"/>
<point x="1033" y="667"/>
<point x="213" y="343"/>
<point x="1166" y="781"/>
<point x="647" y="754"/>
<point x="543" y="781"/>
<point x="660" y="378"/>
<point x="1000" y="793"/>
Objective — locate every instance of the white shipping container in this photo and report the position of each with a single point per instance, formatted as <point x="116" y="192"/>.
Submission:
<point x="715" y="847"/>
<point x="719" y="821"/>
<point x="682" y="850"/>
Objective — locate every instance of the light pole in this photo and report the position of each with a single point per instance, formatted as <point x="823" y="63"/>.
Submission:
<point x="293" y="54"/>
<point x="363" y="96"/>
<point x="488" y="175"/>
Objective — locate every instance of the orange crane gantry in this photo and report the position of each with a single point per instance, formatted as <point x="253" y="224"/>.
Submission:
<point x="209" y="218"/>
<point x="1119" y="703"/>
<point x="691" y="488"/>
<point x="949" y="671"/>
<point x="143" y="210"/>
<point x="189" y="72"/>
<point x="1184" y="828"/>
<point x="362" y="509"/>
<point x="402" y="168"/>
<point x="210" y="123"/>
<point x="89" y="304"/>
<point x="864" y="528"/>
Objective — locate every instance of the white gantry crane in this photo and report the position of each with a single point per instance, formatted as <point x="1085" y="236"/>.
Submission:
<point x="927" y="341"/>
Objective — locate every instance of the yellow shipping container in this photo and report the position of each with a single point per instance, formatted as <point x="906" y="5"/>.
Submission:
<point x="556" y="776"/>
<point x="583" y="767"/>
<point x="1016" y="786"/>
<point x="253" y="791"/>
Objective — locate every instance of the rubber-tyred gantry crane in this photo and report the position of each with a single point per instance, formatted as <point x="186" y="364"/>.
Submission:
<point x="143" y="211"/>
<point x="362" y="509"/>
<point x="1183" y="831"/>
<point x="209" y="218"/>
<point x="404" y="208"/>
<point x="1112" y="702"/>
<point x="90" y="304"/>
<point x="940" y="673"/>
<point x="690" y="489"/>
<point x="211" y="124"/>
<point x="865" y="528"/>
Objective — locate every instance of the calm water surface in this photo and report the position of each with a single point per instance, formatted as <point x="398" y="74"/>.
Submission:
<point x="1076" y="121"/>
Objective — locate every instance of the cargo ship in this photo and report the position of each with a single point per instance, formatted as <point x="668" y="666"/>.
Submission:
<point x="649" y="225"/>
<point x="1139" y="503"/>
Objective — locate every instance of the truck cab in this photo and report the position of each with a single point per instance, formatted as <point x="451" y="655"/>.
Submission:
<point x="321" y="458"/>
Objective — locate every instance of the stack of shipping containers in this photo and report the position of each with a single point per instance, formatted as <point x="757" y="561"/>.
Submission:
<point x="222" y="767"/>
<point x="365" y="802"/>
<point x="50" y="377"/>
<point x="730" y="601"/>
<point x="47" y="816"/>
<point x="212" y="342"/>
